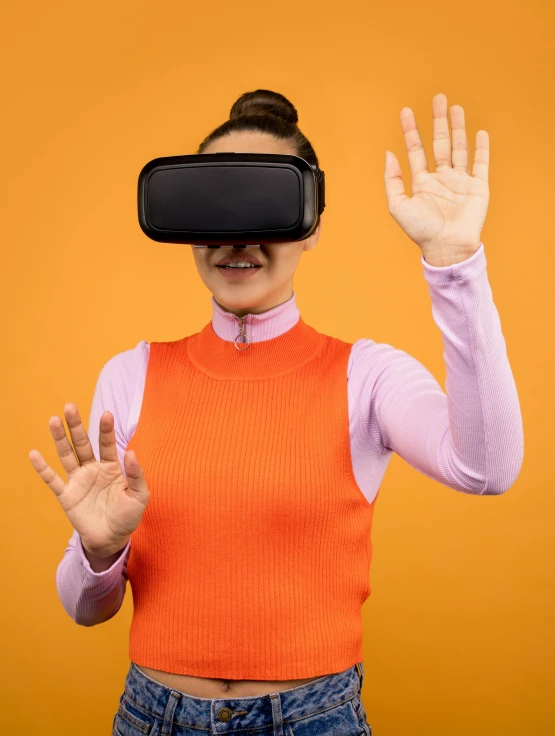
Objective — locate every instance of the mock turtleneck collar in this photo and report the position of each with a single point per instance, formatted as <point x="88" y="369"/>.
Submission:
<point x="259" y="327"/>
<point x="280" y="342"/>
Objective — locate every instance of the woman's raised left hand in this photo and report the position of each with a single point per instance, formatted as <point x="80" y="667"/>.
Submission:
<point x="447" y="209"/>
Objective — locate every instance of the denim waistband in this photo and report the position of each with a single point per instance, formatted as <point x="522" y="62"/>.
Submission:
<point x="227" y="714"/>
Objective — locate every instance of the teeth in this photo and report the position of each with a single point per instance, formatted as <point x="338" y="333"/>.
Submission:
<point x="240" y="264"/>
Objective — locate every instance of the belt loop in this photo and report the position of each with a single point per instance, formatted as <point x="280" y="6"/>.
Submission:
<point x="168" y="713"/>
<point x="277" y="716"/>
<point x="359" y="675"/>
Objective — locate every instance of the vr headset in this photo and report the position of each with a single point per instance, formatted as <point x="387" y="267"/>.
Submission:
<point x="234" y="200"/>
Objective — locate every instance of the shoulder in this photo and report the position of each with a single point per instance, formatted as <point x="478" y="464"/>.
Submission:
<point x="374" y="358"/>
<point x="124" y="367"/>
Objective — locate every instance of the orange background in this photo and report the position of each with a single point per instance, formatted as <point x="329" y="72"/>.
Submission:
<point x="459" y="635"/>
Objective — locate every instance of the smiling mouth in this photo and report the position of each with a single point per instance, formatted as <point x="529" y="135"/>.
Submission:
<point x="238" y="268"/>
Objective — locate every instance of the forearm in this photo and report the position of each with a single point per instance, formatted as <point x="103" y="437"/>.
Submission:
<point x="91" y="595"/>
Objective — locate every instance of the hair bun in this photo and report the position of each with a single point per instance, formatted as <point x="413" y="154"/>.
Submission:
<point x="264" y="102"/>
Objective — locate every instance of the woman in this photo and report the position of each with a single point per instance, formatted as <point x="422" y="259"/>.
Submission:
<point x="248" y="550"/>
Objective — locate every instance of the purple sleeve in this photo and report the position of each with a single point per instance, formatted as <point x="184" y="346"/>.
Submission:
<point x="471" y="438"/>
<point x="92" y="597"/>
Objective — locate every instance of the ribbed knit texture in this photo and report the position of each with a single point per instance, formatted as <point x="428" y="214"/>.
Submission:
<point x="252" y="558"/>
<point x="470" y="439"/>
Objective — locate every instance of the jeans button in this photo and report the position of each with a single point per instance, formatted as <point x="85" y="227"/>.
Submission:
<point x="224" y="714"/>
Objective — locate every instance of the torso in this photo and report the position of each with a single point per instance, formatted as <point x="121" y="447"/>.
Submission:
<point x="205" y="687"/>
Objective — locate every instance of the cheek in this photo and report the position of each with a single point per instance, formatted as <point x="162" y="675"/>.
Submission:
<point x="207" y="273"/>
<point x="203" y="266"/>
<point x="284" y="261"/>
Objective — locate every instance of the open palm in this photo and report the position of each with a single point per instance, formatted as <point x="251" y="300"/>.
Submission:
<point x="448" y="207"/>
<point x="103" y="505"/>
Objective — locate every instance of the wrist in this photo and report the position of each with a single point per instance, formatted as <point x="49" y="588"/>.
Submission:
<point x="440" y="259"/>
<point x="99" y="561"/>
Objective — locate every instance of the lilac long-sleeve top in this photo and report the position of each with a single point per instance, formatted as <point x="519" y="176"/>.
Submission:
<point x="469" y="439"/>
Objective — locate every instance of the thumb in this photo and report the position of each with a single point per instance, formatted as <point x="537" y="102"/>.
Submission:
<point x="393" y="179"/>
<point x="135" y="477"/>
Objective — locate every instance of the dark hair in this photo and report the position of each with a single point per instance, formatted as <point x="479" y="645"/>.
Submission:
<point x="268" y="112"/>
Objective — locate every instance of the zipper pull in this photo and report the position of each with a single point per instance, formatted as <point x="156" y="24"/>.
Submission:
<point x="242" y="337"/>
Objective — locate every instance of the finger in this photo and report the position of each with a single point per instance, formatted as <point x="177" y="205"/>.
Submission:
<point x="393" y="179"/>
<point x="481" y="157"/>
<point x="63" y="445"/>
<point x="135" y="475"/>
<point x="52" y="479"/>
<point x="459" y="155"/>
<point x="415" y="149"/>
<point x="79" y="437"/>
<point x="107" y="438"/>
<point x="441" y="137"/>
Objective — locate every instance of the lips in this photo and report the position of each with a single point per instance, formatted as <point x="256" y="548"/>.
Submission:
<point x="236" y="257"/>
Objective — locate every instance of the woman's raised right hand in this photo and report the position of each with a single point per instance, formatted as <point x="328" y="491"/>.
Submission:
<point x="103" y="506"/>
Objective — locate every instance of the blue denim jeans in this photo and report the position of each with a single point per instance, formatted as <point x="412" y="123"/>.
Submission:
<point x="328" y="706"/>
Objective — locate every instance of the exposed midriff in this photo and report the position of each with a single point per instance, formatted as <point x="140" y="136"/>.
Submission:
<point x="206" y="687"/>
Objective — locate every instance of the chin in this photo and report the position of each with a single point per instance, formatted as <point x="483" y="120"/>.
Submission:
<point x="241" y="296"/>
<point x="236" y="300"/>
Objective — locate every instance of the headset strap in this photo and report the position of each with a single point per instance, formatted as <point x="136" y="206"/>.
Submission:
<point x="321" y="191"/>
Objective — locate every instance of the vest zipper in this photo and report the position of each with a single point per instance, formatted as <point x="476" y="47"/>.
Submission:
<point x="242" y="334"/>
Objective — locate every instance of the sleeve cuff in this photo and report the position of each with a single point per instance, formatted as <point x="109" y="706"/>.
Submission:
<point x="87" y="565"/>
<point x="466" y="269"/>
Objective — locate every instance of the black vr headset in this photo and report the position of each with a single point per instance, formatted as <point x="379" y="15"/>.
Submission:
<point x="234" y="200"/>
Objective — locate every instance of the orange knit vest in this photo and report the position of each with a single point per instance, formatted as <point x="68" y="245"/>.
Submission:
<point x="252" y="558"/>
